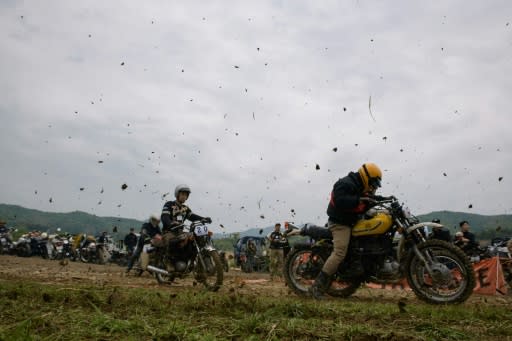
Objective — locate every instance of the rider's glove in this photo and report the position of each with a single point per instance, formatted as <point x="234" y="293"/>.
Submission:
<point x="368" y="199"/>
<point x="207" y="220"/>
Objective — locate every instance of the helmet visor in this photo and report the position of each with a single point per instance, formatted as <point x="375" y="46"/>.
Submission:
<point x="374" y="182"/>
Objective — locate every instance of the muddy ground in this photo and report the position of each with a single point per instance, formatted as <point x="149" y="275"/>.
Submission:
<point x="77" y="273"/>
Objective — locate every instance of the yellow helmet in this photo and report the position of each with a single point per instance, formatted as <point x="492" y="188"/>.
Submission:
<point x="371" y="175"/>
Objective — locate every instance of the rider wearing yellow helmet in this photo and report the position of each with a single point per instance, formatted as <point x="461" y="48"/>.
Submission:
<point x="349" y="198"/>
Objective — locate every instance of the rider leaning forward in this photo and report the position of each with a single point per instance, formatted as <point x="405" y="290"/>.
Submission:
<point x="349" y="199"/>
<point x="174" y="215"/>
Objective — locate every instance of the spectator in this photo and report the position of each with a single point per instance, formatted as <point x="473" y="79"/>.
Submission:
<point x="103" y="238"/>
<point x="130" y="241"/>
<point x="251" y="255"/>
<point x="467" y="237"/>
<point x="440" y="232"/>
<point x="277" y="243"/>
<point x="458" y="240"/>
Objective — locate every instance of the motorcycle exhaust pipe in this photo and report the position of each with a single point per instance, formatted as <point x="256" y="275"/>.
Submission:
<point x="152" y="268"/>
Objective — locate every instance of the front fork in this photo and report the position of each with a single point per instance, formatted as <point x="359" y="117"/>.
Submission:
<point x="426" y="257"/>
<point x="427" y="261"/>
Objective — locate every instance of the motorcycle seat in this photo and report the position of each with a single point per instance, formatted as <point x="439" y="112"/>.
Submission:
<point x="316" y="232"/>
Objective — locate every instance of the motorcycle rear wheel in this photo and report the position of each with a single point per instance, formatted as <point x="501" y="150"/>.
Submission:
<point x="213" y="276"/>
<point x="453" y="277"/>
<point x="300" y="271"/>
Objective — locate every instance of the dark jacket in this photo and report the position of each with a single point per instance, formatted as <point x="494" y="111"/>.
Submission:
<point x="471" y="237"/>
<point x="175" y="213"/>
<point x="130" y="240"/>
<point x="441" y="234"/>
<point x="344" y="207"/>
<point x="150" y="230"/>
<point x="277" y="240"/>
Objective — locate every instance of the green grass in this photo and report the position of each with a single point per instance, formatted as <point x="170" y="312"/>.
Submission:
<point x="30" y="311"/>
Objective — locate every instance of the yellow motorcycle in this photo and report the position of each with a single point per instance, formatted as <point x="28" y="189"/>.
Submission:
<point x="387" y="245"/>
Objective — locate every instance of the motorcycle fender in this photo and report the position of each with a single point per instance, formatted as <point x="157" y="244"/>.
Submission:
<point x="301" y="246"/>
<point x="422" y="225"/>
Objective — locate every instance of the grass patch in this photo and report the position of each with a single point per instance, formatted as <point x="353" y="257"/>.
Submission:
<point x="31" y="311"/>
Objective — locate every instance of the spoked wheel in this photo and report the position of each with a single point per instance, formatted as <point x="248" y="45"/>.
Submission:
<point x="85" y="256"/>
<point x="302" y="267"/>
<point x="451" y="279"/>
<point x="211" y="275"/>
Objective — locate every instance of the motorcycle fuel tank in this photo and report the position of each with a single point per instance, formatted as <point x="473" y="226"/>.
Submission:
<point x="378" y="224"/>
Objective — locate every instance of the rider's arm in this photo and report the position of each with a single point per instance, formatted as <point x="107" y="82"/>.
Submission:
<point x="194" y="217"/>
<point x="166" y="216"/>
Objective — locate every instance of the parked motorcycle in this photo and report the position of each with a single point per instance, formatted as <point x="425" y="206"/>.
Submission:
<point x="32" y="244"/>
<point x="437" y="271"/>
<point x="86" y="248"/>
<point x="6" y="244"/>
<point x="61" y="247"/>
<point x="22" y="246"/>
<point x="195" y="254"/>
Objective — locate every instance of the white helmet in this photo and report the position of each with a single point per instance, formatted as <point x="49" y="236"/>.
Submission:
<point x="155" y="217"/>
<point x="181" y="188"/>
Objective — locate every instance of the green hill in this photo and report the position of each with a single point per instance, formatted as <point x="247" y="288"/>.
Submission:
<point x="72" y="222"/>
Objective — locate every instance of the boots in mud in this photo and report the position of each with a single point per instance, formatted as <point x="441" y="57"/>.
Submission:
<point x="320" y="286"/>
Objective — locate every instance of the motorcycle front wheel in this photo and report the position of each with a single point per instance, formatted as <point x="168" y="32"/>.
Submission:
<point x="85" y="256"/>
<point x="211" y="275"/>
<point x="302" y="267"/>
<point x="451" y="279"/>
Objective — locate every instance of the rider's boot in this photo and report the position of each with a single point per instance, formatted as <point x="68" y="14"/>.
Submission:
<point x="320" y="286"/>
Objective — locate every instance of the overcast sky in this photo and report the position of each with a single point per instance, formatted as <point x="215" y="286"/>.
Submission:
<point x="242" y="99"/>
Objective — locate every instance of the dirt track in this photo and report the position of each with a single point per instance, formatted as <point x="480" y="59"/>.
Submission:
<point x="47" y="271"/>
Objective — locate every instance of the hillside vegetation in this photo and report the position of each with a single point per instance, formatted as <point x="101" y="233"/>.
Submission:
<point x="72" y="222"/>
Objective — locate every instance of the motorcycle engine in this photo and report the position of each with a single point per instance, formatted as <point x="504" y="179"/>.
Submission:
<point x="180" y="266"/>
<point x="389" y="268"/>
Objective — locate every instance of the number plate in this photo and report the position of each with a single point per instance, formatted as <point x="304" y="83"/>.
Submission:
<point x="201" y="230"/>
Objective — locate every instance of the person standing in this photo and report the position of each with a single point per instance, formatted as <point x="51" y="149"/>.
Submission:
<point x="277" y="243"/>
<point x="130" y="240"/>
<point x="251" y="255"/>
<point x="467" y="237"/>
